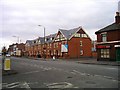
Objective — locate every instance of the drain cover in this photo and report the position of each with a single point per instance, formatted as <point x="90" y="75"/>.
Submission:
<point x="60" y="85"/>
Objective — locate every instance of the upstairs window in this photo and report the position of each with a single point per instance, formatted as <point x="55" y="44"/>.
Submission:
<point x="104" y="37"/>
<point x="60" y="38"/>
<point x="77" y="35"/>
<point x="84" y="35"/>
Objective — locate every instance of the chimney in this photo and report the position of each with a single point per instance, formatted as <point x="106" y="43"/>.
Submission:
<point x="117" y="18"/>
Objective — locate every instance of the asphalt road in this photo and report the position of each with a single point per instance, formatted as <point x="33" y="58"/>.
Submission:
<point x="59" y="74"/>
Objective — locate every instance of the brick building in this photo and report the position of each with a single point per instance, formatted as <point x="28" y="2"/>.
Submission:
<point x="73" y="43"/>
<point x="16" y="49"/>
<point x="108" y="41"/>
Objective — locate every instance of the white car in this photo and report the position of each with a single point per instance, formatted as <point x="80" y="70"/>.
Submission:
<point x="8" y="55"/>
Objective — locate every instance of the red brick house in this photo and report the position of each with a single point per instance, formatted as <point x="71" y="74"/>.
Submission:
<point x="17" y="49"/>
<point x="108" y="41"/>
<point x="73" y="43"/>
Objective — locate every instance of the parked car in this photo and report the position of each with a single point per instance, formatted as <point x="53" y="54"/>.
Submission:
<point x="8" y="55"/>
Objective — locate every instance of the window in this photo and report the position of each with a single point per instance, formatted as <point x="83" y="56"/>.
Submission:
<point x="77" y="35"/>
<point x="84" y="35"/>
<point x="80" y="43"/>
<point x="52" y="38"/>
<point x="60" y="38"/>
<point x="47" y="39"/>
<point x="50" y="45"/>
<point x="105" y="53"/>
<point x="104" y="37"/>
<point x="56" y="45"/>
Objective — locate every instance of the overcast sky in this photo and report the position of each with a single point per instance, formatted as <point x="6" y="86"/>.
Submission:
<point x="22" y="17"/>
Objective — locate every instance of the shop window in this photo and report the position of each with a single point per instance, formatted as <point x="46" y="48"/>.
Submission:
<point x="105" y="53"/>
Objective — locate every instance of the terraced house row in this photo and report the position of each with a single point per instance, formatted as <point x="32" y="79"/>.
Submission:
<point x="73" y="43"/>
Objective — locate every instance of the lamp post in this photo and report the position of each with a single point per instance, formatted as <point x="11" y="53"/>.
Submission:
<point x="44" y="39"/>
<point x="17" y="38"/>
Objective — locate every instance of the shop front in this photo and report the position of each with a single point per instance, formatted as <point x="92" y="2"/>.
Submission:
<point x="103" y="52"/>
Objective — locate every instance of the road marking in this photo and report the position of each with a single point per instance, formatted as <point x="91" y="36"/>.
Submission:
<point x="16" y="85"/>
<point x="25" y="85"/>
<point x="112" y="68"/>
<point x="11" y="85"/>
<point x="107" y="77"/>
<point x="30" y="72"/>
<point x="79" y="72"/>
<point x="60" y="85"/>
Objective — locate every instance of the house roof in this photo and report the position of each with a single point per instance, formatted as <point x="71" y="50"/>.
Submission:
<point x="110" y="27"/>
<point x="50" y="36"/>
<point x="30" y="42"/>
<point x="69" y="33"/>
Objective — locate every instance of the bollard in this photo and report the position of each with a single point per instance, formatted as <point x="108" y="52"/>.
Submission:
<point x="7" y="63"/>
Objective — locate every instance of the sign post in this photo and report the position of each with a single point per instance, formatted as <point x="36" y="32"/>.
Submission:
<point x="7" y="63"/>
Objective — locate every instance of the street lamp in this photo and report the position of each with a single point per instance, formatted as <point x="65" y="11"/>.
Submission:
<point x="44" y="39"/>
<point x="17" y="38"/>
<point x="44" y="32"/>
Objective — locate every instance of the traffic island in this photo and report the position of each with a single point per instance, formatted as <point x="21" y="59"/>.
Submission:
<point x="8" y="72"/>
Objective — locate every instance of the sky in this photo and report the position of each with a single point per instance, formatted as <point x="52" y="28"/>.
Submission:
<point x="21" y="18"/>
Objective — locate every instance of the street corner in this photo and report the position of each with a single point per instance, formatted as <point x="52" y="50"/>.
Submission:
<point x="8" y="72"/>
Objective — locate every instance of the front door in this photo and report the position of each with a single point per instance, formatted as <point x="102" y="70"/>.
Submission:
<point x="117" y="54"/>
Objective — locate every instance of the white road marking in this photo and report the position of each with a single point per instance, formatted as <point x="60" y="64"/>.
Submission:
<point x="60" y="85"/>
<point x="94" y="75"/>
<point x="112" y="68"/>
<point x="13" y="86"/>
<point x="17" y="85"/>
<point x="107" y="77"/>
<point x="79" y="72"/>
<point x="30" y="72"/>
<point x="25" y="85"/>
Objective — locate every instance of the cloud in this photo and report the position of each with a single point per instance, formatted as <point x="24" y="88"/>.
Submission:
<point x="22" y="17"/>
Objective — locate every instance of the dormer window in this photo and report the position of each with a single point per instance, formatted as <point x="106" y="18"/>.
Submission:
<point x="52" y="38"/>
<point x="47" y="39"/>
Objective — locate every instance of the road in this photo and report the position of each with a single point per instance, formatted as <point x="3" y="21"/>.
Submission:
<point x="59" y="74"/>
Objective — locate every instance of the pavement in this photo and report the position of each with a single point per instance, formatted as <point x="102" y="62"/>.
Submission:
<point x="100" y="62"/>
<point x="86" y="61"/>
